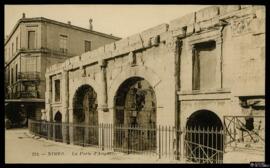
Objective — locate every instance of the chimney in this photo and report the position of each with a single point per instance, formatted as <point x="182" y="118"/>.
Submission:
<point x="90" y="24"/>
<point x="69" y="22"/>
<point x="23" y="15"/>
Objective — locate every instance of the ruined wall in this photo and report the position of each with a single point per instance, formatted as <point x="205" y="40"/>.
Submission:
<point x="137" y="55"/>
<point x="239" y="33"/>
<point x="153" y="55"/>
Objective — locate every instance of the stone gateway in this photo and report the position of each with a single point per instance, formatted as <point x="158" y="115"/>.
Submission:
<point x="192" y="72"/>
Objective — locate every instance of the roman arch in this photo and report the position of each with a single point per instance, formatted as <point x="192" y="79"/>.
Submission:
<point x="166" y="59"/>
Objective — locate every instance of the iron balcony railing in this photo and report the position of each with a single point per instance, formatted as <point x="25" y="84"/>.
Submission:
<point x="27" y="94"/>
<point x="29" y="75"/>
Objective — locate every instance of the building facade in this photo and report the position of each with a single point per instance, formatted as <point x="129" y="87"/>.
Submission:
<point x="193" y="72"/>
<point x="33" y="45"/>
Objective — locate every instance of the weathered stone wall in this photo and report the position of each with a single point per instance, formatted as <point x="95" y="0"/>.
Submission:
<point x="154" y="54"/>
<point x="241" y="54"/>
<point x="137" y="55"/>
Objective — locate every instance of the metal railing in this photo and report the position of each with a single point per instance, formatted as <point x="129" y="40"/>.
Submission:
<point x="27" y="94"/>
<point x="245" y="132"/>
<point x="29" y="75"/>
<point x="157" y="141"/>
<point x="201" y="145"/>
<point x="204" y="145"/>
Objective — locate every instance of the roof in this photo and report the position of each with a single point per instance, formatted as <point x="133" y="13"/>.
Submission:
<point x="42" y="19"/>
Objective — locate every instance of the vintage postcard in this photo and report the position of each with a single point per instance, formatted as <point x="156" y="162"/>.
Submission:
<point x="135" y="84"/>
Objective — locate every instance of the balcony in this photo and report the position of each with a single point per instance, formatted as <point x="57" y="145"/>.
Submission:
<point x="27" y="94"/>
<point x="29" y="76"/>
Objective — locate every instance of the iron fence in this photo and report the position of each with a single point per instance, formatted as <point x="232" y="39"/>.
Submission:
<point x="204" y="144"/>
<point x="244" y="132"/>
<point x="201" y="145"/>
<point x="158" y="141"/>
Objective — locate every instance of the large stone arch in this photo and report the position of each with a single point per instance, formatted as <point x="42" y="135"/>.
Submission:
<point x="129" y="72"/>
<point x="85" y="116"/>
<point x="135" y="106"/>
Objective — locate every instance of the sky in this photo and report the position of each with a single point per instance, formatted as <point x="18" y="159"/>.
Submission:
<point x="119" y="20"/>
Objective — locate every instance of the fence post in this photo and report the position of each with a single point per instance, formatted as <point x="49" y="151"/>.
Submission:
<point x="128" y="143"/>
<point x="159" y="143"/>
<point x="178" y="139"/>
<point x="102" y="138"/>
<point x="53" y="126"/>
<point x="234" y="132"/>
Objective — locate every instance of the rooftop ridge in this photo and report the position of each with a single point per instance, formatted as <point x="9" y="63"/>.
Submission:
<point x="59" y="23"/>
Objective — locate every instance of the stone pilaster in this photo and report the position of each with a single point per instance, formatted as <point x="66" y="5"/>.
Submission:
<point x="219" y="74"/>
<point x="48" y="97"/>
<point x="65" y="105"/>
<point x="103" y="86"/>
<point x="48" y="100"/>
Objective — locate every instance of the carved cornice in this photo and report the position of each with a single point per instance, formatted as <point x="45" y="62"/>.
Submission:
<point x="213" y="35"/>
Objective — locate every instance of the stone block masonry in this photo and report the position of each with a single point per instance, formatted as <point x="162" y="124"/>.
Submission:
<point x="214" y="63"/>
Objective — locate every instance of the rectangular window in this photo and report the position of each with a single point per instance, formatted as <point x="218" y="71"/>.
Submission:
<point x="8" y="53"/>
<point x="11" y="76"/>
<point x="63" y="43"/>
<point x="17" y="43"/>
<point x="8" y="78"/>
<point x="204" y="66"/>
<point x="31" y="39"/>
<point x="87" y="45"/>
<point x="16" y="72"/>
<point x="12" y="50"/>
<point x="57" y="90"/>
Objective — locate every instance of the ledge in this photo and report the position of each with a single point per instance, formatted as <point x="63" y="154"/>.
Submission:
<point x="208" y="91"/>
<point x="223" y="94"/>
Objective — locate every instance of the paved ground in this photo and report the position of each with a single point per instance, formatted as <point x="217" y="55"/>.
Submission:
<point x="22" y="147"/>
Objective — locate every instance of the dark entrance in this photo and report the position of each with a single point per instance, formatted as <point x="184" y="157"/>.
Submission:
<point x="85" y="116"/>
<point x="58" y="126"/>
<point x="204" y="138"/>
<point x="135" y="116"/>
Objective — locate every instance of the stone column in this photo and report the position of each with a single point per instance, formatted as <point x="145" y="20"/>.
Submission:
<point x="48" y="100"/>
<point x="48" y="97"/>
<point x="65" y="105"/>
<point x="103" y="99"/>
<point x="219" y="63"/>
<point x="71" y="128"/>
<point x="103" y="86"/>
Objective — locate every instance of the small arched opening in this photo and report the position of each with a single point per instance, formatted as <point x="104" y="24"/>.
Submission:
<point x="58" y="126"/>
<point x="204" y="137"/>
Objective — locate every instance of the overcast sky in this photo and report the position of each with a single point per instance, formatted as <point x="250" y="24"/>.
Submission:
<point x="119" y="20"/>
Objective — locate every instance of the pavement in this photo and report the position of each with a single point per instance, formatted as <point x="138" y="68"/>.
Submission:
<point x="23" y="147"/>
